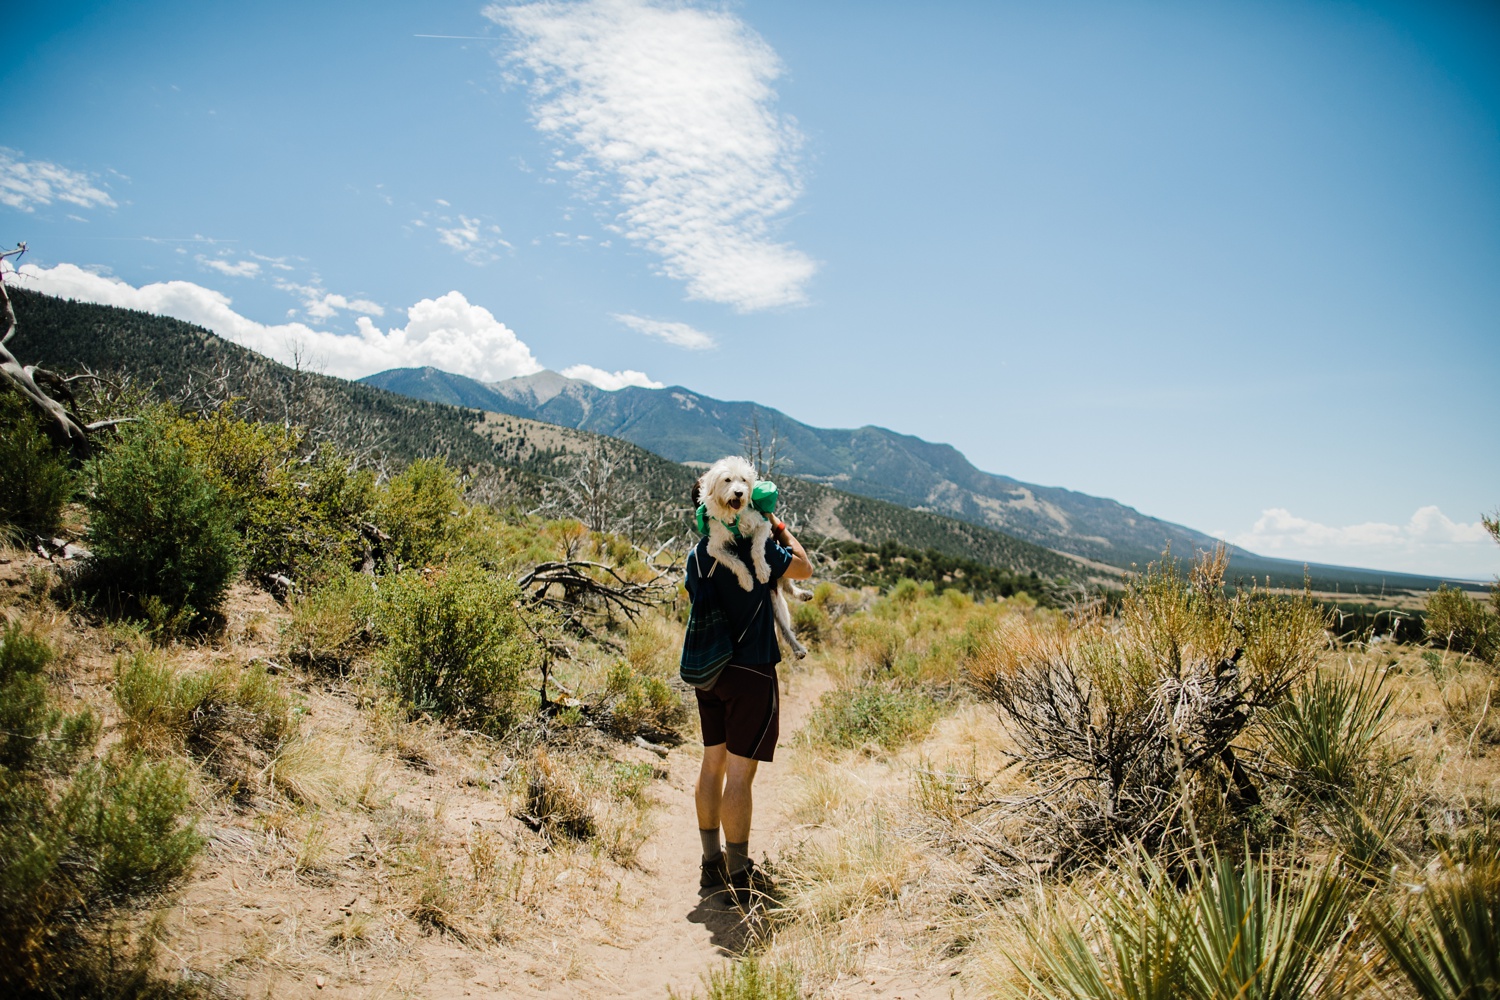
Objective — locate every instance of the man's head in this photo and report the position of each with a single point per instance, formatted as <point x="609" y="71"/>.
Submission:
<point x="725" y="488"/>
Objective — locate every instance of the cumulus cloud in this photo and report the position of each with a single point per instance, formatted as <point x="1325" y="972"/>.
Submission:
<point x="1431" y="542"/>
<point x="676" y="334"/>
<point x="670" y="109"/>
<point x="25" y="184"/>
<point x="610" y="380"/>
<point x="448" y="332"/>
<point x="232" y="269"/>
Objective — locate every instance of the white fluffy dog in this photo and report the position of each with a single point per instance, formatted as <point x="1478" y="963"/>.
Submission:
<point x="724" y="491"/>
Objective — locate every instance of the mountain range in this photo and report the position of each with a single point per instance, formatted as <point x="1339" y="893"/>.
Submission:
<point x="876" y="462"/>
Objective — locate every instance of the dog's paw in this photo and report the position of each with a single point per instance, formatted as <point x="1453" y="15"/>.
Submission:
<point x="800" y="593"/>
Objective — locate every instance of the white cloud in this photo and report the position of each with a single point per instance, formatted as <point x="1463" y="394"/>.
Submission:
<point x="610" y="380"/>
<point x="474" y="238"/>
<point x="1430" y="542"/>
<point x="676" y="334"/>
<point x="448" y="332"/>
<point x="320" y="304"/>
<point x="671" y="108"/>
<point x="25" y="184"/>
<point x="235" y="269"/>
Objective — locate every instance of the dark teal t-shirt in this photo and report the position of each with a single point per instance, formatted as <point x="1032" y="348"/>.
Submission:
<point x="748" y="611"/>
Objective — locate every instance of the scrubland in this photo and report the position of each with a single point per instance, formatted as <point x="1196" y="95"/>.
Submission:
<point x="294" y="729"/>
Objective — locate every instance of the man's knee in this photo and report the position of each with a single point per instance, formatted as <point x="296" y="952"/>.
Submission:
<point x="739" y="770"/>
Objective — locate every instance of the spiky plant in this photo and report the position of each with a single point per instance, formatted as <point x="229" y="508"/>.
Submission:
<point x="1232" y="928"/>
<point x="1327" y="733"/>
<point x="1446" y="942"/>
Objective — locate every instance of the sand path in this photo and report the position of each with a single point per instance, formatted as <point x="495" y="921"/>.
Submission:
<point x="684" y="932"/>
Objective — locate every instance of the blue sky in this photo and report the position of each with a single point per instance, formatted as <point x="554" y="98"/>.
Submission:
<point x="1234" y="264"/>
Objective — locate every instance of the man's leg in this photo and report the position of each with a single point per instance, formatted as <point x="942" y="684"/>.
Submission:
<point x="737" y="805"/>
<point x="710" y="791"/>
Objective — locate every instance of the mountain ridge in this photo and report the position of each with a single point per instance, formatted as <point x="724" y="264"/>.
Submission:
<point x="686" y="426"/>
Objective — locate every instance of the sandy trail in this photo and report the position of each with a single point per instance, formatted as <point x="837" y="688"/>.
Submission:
<point x="685" y="932"/>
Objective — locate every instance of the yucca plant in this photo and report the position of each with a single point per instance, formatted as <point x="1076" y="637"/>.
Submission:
<point x="1446" y="943"/>
<point x="1236" y="930"/>
<point x="1327" y="733"/>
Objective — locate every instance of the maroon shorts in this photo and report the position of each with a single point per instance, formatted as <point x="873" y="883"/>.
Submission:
<point x="743" y="711"/>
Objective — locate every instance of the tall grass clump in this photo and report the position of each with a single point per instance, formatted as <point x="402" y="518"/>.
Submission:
<point x="1122" y="723"/>
<point x="162" y="533"/>
<point x="1457" y="622"/>
<point x="457" y="645"/>
<point x="749" y="978"/>
<point x="330" y="624"/>
<point x="86" y="842"/>
<point x="199" y="712"/>
<point x="35" y="481"/>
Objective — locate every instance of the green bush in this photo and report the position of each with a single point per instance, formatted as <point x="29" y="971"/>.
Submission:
<point x="84" y="842"/>
<point x="1458" y="622"/>
<point x="456" y="644"/>
<point x="298" y="517"/>
<point x="34" y="479"/>
<point x="640" y="703"/>
<point x="162" y="533"/>
<point x="419" y="510"/>
<point x="872" y="716"/>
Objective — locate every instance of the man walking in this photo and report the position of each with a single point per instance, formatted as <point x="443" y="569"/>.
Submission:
<point x="741" y="713"/>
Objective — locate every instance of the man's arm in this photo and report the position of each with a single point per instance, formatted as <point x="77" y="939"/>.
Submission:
<point x="801" y="567"/>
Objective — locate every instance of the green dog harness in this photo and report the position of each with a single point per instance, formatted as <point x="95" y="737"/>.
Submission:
<point x="762" y="497"/>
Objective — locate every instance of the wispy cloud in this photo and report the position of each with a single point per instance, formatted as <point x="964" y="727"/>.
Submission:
<point x="25" y="184"/>
<point x="669" y="108"/>
<point x="676" y="334"/>
<point x="474" y="238"/>
<point x="448" y="332"/>
<point x="231" y="269"/>
<point x="1431" y="542"/>
<point x="610" y="380"/>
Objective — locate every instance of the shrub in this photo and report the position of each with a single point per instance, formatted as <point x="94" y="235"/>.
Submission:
<point x="872" y="717"/>
<point x="1125" y="720"/>
<point x="83" y="841"/>
<point x="161" y="532"/>
<point x="418" y="509"/>
<point x="298" y="517"/>
<point x="1458" y="622"/>
<point x="34" y="479"/>
<point x="640" y="703"/>
<point x="457" y="645"/>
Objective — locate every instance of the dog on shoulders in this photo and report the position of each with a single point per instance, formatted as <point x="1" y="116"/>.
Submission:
<point x="725" y="493"/>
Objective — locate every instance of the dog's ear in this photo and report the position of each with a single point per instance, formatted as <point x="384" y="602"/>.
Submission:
<point x="697" y="492"/>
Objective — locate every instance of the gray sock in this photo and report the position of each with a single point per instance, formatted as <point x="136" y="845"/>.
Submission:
<point x="739" y="855"/>
<point x="711" y="848"/>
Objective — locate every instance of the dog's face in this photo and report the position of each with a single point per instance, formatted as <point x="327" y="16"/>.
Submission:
<point x="725" y="488"/>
